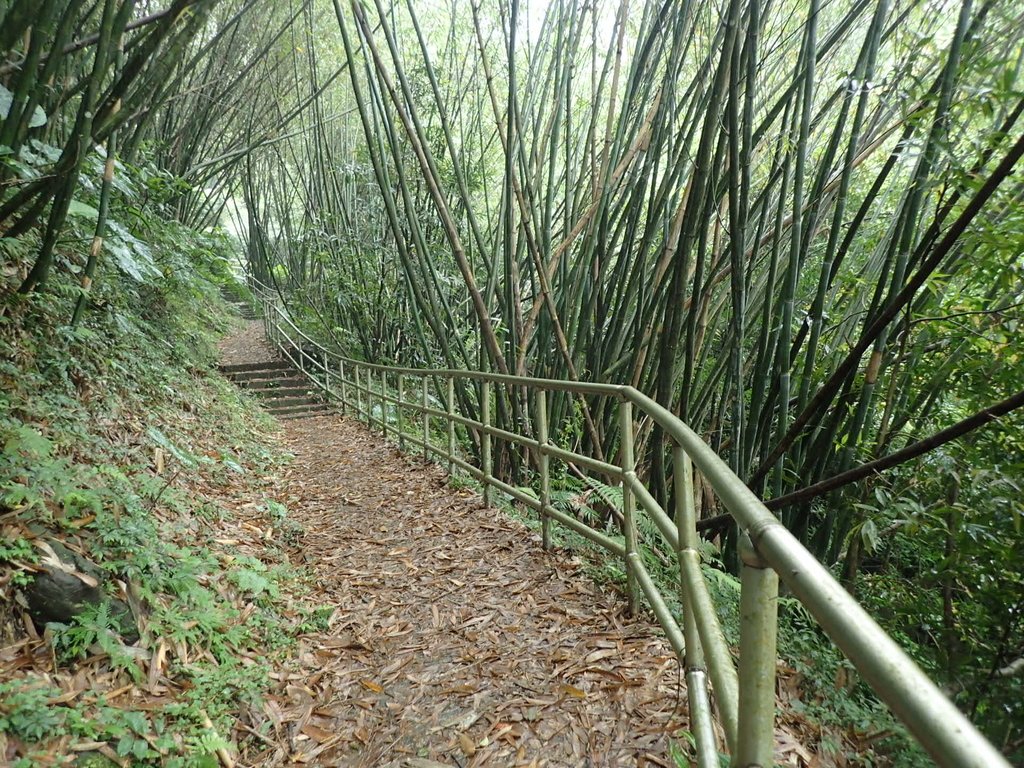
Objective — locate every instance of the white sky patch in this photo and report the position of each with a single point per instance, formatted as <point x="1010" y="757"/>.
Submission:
<point x="531" y="15"/>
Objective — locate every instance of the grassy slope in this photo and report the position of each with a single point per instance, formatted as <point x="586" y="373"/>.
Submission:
<point x="121" y="441"/>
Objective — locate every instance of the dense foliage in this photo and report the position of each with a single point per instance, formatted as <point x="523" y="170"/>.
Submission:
<point x="115" y="433"/>
<point x="798" y="226"/>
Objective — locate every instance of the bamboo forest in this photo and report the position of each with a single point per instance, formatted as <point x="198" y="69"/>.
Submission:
<point x="585" y="383"/>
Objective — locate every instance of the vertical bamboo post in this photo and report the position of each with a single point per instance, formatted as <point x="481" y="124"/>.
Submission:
<point x="344" y="389"/>
<point x="426" y="422"/>
<point x="485" y="439"/>
<point x="359" y="391"/>
<point x="759" y="593"/>
<point x="371" y="396"/>
<point x="383" y="381"/>
<point x="701" y="724"/>
<point x="327" y="379"/>
<point x="628" y="476"/>
<point x="367" y="397"/>
<point x="450" y="407"/>
<point x="401" y="395"/>
<point x="544" y="460"/>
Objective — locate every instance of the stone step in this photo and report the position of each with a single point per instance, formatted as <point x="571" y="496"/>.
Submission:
<point x="285" y="392"/>
<point x="258" y="386"/>
<point x="275" y="403"/>
<point x="248" y="378"/>
<point x="276" y="393"/>
<point x="283" y="411"/>
<point x="239" y="300"/>
<point x="302" y="414"/>
<point x="263" y="365"/>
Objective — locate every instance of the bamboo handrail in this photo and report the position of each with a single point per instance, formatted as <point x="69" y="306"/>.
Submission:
<point x="745" y="698"/>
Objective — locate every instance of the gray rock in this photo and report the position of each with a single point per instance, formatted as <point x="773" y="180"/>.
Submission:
<point x="66" y="585"/>
<point x="58" y="592"/>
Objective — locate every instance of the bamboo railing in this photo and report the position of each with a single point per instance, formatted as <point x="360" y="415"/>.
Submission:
<point x="744" y="691"/>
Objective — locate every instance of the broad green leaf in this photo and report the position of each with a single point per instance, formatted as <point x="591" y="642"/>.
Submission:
<point x="252" y="582"/>
<point x="28" y="441"/>
<point x="7" y="98"/>
<point x="78" y="208"/>
<point x="133" y="256"/>
<point x="161" y="439"/>
<point x="234" y="466"/>
<point x="869" y="535"/>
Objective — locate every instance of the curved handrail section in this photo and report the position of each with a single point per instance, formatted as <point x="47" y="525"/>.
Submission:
<point x="386" y="397"/>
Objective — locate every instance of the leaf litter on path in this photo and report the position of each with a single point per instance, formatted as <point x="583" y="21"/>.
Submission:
<point x="454" y="639"/>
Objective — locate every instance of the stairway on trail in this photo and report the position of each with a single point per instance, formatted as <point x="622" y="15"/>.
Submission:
<point x="286" y="393"/>
<point x="242" y="305"/>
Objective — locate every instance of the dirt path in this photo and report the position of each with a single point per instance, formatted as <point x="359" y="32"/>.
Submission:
<point x="454" y="639"/>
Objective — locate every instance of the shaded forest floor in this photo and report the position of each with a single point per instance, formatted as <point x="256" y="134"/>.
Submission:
<point x="452" y="638"/>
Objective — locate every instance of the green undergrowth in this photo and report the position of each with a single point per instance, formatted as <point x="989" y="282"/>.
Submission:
<point x="121" y="444"/>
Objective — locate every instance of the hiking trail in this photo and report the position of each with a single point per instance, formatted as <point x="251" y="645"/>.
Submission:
<point x="454" y="638"/>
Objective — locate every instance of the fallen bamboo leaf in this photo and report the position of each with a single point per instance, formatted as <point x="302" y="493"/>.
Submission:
<point x="52" y="559"/>
<point x="572" y="691"/>
<point x="467" y="745"/>
<point x="318" y="734"/>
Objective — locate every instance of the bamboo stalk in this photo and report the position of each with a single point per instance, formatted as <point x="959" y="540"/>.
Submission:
<point x="400" y="383"/>
<point x="343" y="386"/>
<point x="485" y="439"/>
<point x="702" y="725"/>
<point x="628" y="524"/>
<point x="759" y="592"/>
<point x="426" y="422"/>
<point x="543" y="466"/>
<point x="450" y="407"/>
